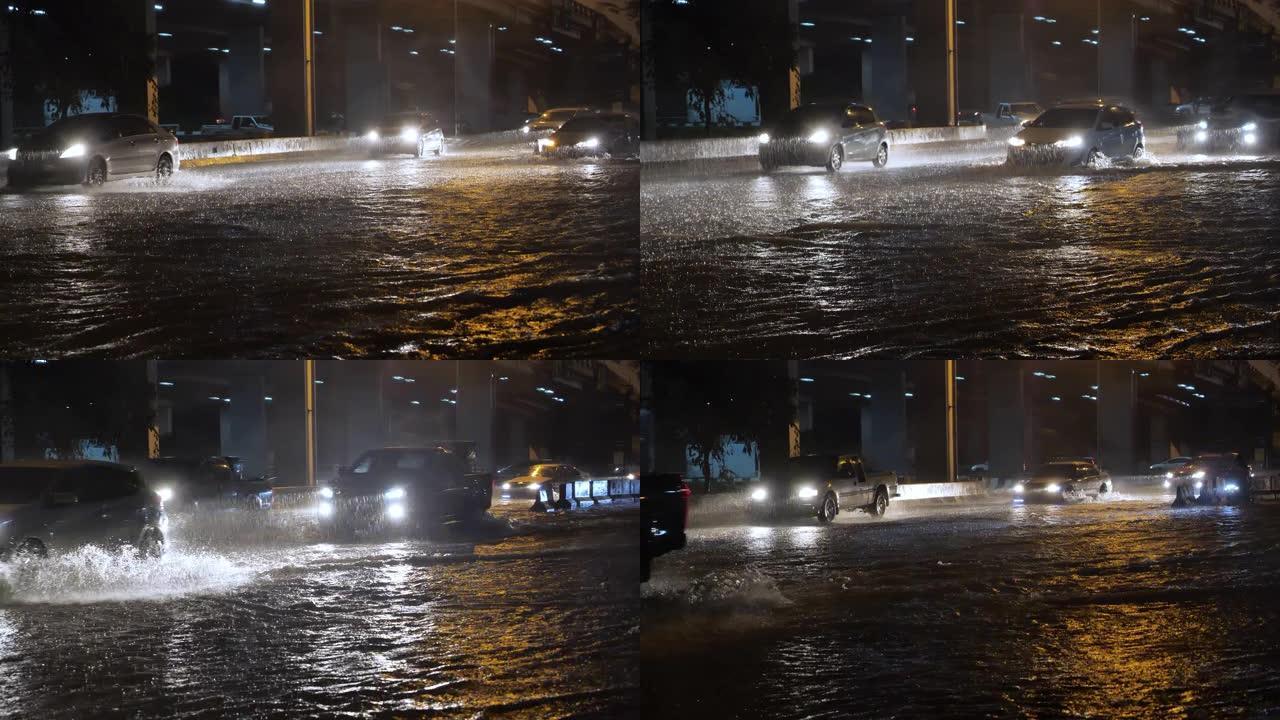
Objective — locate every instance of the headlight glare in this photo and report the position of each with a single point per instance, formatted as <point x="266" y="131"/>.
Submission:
<point x="409" y="134"/>
<point x="395" y="493"/>
<point x="764" y="138"/>
<point x="1074" y="141"/>
<point x="808" y="491"/>
<point x="11" y="153"/>
<point x="1019" y="488"/>
<point x="396" y="511"/>
<point x="525" y="129"/>
<point x="1203" y="124"/>
<point x="1201" y="136"/>
<point x="759" y="494"/>
<point x="165" y="493"/>
<point x="506" y="486"/>
<point x="1250" y="139"/>
<point x="371" y="135"/>
<point x="75" y="151"/>
<point x="325" y="509"/>
<point x="590" y="143"/>
<point x="820" y="136"/>
<point x="1017" y="141"/>
<point x="1250" y="127"/>
<point x="1052" y="487"/>
<point x="1169" y="475"/>
<point x="1231" y="487"/>
<point x="1198" y="475"/>
<point x="326" y="493"/>
<point x="1167" y="484"/>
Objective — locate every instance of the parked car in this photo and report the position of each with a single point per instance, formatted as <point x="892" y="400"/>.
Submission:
<point x="826" y="135"/>
<point x="241" y="127"/>
<point x="1244" y="123"/>
<point x="403" y="488"/>
<point x="1079" y="134"/>
<point x="821" y="486"/>
<point x="611" y="133"/>
<point x="412" y="133"/>
<point x="92" y="149"/>
<point x="1013" y="114"/>
<point x="1213" y="479"/>
<point x="1064" y="480"/>
<point x="215" y="482"/>
<point x="552" y="119"/>
<point x="63" y="505"/>
<point x="664" y="509"/>
<point x="1167" y="467"/>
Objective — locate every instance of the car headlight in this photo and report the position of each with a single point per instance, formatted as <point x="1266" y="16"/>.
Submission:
<point x="165" y="493"/>
<point x="371" y="135"/>
<point x="1052" y="487"/>
<point x="1167" y="484"/>
<point x="1019" y="488"/>
<point x="1199" y="484"/>
<point x="1017" y="141"/>
<point x="1250" y="127"/>
<point x="506" y="486"/>
<point x="11" y="153"/>
<point x="535" y="486"/>
<point x="764" y="138"/>
<point x="590" y="143"/>
<point x="409" y="134"/>
<point x="820" y="136"/>
<point x="1074" y="141"/>
<point x="524" y="129"/>
<point x="1201" y="136"/>
<point x="1169" y="475"/>
<point x="1203" y="124"/>
<point x="1231" y="487"/>
<point x="1250" y="139"/>
<point x="395" y="493"/>
<point x="807" y="492"/>
<point x="545" y="143"/>
<point x="759" y="494"/>
<point x="326" y="493"/>
<point x="325" y="509"/>
<point x="396" y="511"/>
<point x="74" y="151"/>
<point x="1198" y="475"/>
<point x="631" y="476"/>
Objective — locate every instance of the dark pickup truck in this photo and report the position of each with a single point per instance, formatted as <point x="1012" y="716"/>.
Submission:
<point x="208" y="482"/>
<point x="664" y="507"/>
<point x="821" y="486"/>
<point x="404" y="488"/>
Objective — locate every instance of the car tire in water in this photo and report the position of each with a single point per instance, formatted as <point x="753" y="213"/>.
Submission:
<point x="829" y="509"/>
<point x="97" y="174"/>
<point x="164" y="168"/>
<point x="767" y="166"/>
<point x="882" y="156"/>
<point x="880" y="505"/>
<point x="151" y="545"/>
<point x="30" y="549"/>
<point x="1091" y="160"/>
<point x="1139" y="152"/>
<point x="836" y="159"/>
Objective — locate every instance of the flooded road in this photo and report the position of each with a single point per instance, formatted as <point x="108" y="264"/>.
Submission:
<point x="1122" y="608"/>
<point x="478" y="254"/>
<point x="539" y="621"/>
<point x="951" y="253"/>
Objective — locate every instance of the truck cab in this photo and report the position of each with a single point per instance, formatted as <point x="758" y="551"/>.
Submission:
<point x="822" y="485"/>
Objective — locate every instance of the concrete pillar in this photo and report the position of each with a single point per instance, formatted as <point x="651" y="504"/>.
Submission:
<point x="473" y="72"/>
<point x="1159" y="446"/>
<point x="286" y="428"/>
<point x="648" y="94"/>
<point x="929" y="407"/>
<point x="6" y="83"/>
<point x="367" y="84"/>
<point x="1007" y="446"/>
<point x="7" y="445"/>
<point x="475" y="408"/>
<point x="292" y="81"/>
<point x="1010" y="63"/>
<point x="141" y="94"/>
<point x="888" y="90"/>
<point x="884" y="421"/>
<point x="1116" y="50"/>
<point x="246" y="422"/>
<point x="929" y="69"/>
<point x="245" y="74"/>
<point x="1116" y="418"/>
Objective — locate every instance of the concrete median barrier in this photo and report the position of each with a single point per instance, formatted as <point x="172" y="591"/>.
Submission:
<point x="221" y="152"/>
<point x="661" y="151"/>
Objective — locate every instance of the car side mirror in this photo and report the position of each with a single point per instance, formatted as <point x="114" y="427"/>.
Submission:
<point x="63" y="499"/>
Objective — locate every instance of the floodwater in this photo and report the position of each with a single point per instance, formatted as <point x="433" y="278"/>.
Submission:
<point x="539" y="619"/>
<point x="478" y="254"/>
<point x="953" y="253"/>
<point x="1120" y="608"/>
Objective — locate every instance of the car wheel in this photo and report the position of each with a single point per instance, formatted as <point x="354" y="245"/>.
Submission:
<point x="882" y="156"/>
<point x="1091" y="161"/>
<point x="439" y="149"/>
<point x="767" y="166"/>
<point x="1181" y="497"/>
<point x="164" y="168"/>
<point x="836" y="159"/>
<point x="829" y="509"/>
<point x="151" y="545"/>
<point x="1139" y="152"/>
<point x="1103" y="489"/>
<point x="97" y="174"/>
<point x="880" y="505"/>
<point x="30" y="549"/>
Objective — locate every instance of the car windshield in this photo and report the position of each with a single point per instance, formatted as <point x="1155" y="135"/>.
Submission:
<point x="589" y="123"/>
<point x="420" y="119"/>
<point x="1025" y="108"/>
<point x="1067" y="118"/>
<point x="1268" y="106"/>
<point x="558" y="114"/>
<point x="809" y="115"/>
<point x="1053" y="470"/>
<point x="811" y="467"/>
<point x="20" y="486"/>
<point x="74" y="127"/>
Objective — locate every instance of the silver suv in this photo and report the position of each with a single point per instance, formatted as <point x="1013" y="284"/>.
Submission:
<point x="61" y="505"/>
<point x="1079" y="134"/>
